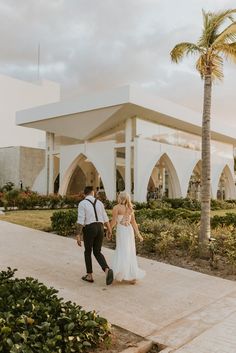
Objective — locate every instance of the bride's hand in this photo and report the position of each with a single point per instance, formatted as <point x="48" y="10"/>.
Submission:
<point x="140" y="238"/>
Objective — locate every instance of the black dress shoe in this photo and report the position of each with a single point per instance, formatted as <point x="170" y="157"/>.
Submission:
<point x="109" y="277"/>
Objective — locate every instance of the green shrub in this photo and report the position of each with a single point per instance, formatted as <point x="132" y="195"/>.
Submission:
<point x="165" y="244"/>
<point x="1" y="199"/>
<point x="162" y="236"/>
<point x="11" y="198"/>
<point x="229" y="220"/>
<point x="8" y="186"/>
<point x="154" y="204"/>
<point x="109" y="204"/>
<point x="222" y="205"/>
<point x="230" y="249"/>
<point x="34" y="320"/>
<point x="190" y="204"/>
<point x="32" y="200"/>
<point x="170" y="214"/>
<point x="64" y="222"/>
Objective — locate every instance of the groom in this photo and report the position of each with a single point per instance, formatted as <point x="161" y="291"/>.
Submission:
<point x="91" y="219"/>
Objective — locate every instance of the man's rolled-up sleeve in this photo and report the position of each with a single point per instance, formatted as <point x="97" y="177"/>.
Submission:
<point x="81" y="214"/>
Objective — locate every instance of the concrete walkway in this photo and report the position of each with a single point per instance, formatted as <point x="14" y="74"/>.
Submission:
<point x="187" y="311"/>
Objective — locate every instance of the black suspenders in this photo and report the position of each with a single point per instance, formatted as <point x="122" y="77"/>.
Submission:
<point x="94" y="207"/>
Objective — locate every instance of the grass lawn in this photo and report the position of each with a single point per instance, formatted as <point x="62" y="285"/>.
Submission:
<point x="40" y="219"/>
<point x="36" y="219"/>
<point x="222" y="212"/>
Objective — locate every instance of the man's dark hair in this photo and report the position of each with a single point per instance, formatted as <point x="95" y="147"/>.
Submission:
<point x="88" y="190"/>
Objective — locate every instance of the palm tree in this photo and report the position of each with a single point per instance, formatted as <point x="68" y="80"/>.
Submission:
<point x="215" y="44"/>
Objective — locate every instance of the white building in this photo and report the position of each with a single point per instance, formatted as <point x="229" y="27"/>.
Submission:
<point x="20" y="156"/>
<point x="17" y="95"/>
<point x="126" y="138"/>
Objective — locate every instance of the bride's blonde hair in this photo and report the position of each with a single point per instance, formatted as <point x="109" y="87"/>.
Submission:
<point x="124" y="199"/>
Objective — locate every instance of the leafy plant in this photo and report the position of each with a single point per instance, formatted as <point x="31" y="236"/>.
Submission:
<point x="64" y="222"/>
<point x="34" y="320"/>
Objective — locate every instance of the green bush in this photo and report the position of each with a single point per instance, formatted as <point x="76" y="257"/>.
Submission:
<point x="32" y="200"/>
<point x="222" y="205"/>
<point x="171" y="214"/>
<point x="162" y="237"/>
<point x="1" y="199"/>
<point x="11" y="198"/>
<point x="64" y="222"/>
<point x="186" y="203"/>
<point x="229" y="220"/>
<point x="7" y="187"/>
<point x="34" y="320"/>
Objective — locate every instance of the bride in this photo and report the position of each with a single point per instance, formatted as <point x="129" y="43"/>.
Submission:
<point x="125" y="266"/>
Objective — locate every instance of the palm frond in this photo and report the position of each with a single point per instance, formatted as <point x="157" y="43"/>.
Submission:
<point x="217" y="67"/>
<point x="211" y="24"/>
<point x="227" y="50"/>
<point x="200" y="65"/>
<point x="181" y="49"/>
<point x="210" y="63"/>
<point x="227" y="36"/>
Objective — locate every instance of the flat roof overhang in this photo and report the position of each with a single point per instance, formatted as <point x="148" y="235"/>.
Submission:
<point x="94" y="114"/>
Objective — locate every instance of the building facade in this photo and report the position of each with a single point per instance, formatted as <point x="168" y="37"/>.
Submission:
<point x="17" y="95"/>
<point x="22" y="151"/>
<point x="126" y="139"/>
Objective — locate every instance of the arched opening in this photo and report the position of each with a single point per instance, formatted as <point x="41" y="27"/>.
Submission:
<point x="120" y="183"/>
<point x="226" y="187"/>
<point x="57" y="184"/>
<point x="81" y="173"/>
<point x="194" y="186"/>
<point x="163" y="181"/>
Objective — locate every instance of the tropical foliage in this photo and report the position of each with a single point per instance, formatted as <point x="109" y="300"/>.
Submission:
<point x="34" y="320"/>
<point x="217" y="42"/>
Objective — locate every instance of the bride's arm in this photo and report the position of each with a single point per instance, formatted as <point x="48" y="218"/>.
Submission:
<point x="114" y="217"/>
<point x="135" y="226"/>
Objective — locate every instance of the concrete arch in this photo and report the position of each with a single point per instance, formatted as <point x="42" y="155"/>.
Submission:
<point x="174" y="179"/>
<point x="81" y="158"/>
<point x="230" y="189"/>
<point x="193" y="187"/>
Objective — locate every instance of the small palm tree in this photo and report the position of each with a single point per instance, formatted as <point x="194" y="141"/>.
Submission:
<point x="215" y="44"/>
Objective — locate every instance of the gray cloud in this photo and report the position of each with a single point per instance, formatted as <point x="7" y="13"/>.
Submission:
<point x="98" y="44"/>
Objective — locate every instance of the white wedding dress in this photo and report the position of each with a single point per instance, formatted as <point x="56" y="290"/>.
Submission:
<point x="125" y="266"/>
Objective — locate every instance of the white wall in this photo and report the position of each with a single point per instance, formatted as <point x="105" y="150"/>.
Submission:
<point x="147" y="154"/>
<point x="101" y="154"/>
<point x="17" y="95"/>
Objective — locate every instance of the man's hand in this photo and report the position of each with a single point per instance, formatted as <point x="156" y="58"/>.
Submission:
<point x="78" y="239"/>
<point x="109" y="235"/>
<point x="79" y="228"/>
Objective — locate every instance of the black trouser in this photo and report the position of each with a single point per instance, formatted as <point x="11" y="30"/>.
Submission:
<point x="93" y="237"/>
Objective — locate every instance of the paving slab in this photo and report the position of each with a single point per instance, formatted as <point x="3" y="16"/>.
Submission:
<point x="171" y="305"/>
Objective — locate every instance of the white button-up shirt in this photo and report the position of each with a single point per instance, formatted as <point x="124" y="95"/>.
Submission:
<point x="86" y="214"/>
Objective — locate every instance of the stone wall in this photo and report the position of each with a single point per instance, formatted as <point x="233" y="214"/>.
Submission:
<point x="9" y="165"/>
<point x="21" y="163"/>
<point x="32" y="161"/>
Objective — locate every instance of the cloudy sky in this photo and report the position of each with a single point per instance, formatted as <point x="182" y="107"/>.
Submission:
<point x="98" y="44"/>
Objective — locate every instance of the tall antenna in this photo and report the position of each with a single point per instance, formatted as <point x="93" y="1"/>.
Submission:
<point x="39" y="62"/>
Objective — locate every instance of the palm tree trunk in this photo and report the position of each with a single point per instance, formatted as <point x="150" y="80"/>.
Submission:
<point x="205" y="227"/>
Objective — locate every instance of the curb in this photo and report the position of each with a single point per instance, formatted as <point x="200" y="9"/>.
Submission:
<point x="141" y="347"/>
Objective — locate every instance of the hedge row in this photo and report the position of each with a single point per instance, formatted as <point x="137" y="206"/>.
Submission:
<point x="34" y="320"/>
<point x="32" y="200"/>
<point x="64" y="222"/>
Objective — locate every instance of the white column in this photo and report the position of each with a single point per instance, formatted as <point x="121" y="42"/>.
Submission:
<point x="128" y="139"/>
<point x="49" y="162"/>
<point x="163" y="181"/>
<point x="136" y="141"/>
